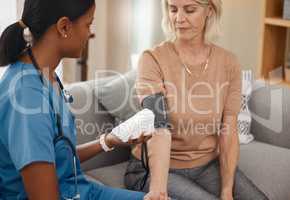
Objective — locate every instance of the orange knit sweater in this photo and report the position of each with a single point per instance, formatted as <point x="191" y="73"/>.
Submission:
<point x="196" y="103"/>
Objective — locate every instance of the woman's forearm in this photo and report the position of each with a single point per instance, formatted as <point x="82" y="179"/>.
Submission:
<point x="159" y="160"/>
<point x="228" y="163"/>
<point x="229" y="154"/>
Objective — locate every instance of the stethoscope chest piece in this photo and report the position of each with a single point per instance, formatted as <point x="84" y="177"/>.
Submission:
<point x="68" y="97"/>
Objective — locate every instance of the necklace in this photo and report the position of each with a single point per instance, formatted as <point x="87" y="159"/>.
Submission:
<point x="204" y="68"/>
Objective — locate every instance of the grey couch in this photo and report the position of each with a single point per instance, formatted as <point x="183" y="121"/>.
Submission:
<point x="99" y="105"/>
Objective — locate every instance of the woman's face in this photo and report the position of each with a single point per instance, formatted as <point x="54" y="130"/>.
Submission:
<point x="79" y="34"/>
<point x="188" y="18"/>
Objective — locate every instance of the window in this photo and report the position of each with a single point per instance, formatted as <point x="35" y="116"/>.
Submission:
<point x="10" y="13"/>
<point x="8" y="10"/>
<point x="146" y="27"/>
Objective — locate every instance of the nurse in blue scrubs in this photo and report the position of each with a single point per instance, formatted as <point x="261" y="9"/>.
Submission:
<point x="39" y="159"/>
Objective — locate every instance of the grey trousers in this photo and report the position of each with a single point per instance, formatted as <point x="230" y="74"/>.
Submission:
<point x="201" y="183"/>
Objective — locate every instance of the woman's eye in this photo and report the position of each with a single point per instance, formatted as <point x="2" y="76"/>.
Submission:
<point x="190" y="10"/>
<point x="173" y="9"/>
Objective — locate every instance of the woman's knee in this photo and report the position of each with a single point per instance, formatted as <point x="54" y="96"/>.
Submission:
<point x="182" y="188"/>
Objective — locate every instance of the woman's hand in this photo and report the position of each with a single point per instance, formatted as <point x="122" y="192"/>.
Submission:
<point x="227" y="197"/>
<point x="113" y="141"/>
<point x="153" y="195"/>
<point x="227" y="194"/>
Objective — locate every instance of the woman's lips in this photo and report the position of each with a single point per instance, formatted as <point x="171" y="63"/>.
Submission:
<point x="181" y="29"/>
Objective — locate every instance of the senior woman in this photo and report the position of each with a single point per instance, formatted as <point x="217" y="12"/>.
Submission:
<point x="197" y="157"/>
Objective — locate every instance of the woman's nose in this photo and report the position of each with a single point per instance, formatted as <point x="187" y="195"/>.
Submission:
<point x="180" y="18"/>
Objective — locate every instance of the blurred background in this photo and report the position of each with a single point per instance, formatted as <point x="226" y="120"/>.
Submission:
<point x="124" y="28"/>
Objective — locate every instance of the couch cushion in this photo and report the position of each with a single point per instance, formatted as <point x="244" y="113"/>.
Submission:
<point x="270" y="109"/>
<point x="112" y="175"/>
<point x="118" y="96"/>
<point x="268" y="167"/>
<point x="92" y="119"/>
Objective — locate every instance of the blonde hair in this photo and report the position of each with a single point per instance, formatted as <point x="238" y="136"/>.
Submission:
<point x="212" y="29"/>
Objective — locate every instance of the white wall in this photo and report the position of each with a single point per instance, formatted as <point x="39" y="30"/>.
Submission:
<point x="8" y="12"/>
<point x="242" y="29"/>
<point x="8" y="16"/>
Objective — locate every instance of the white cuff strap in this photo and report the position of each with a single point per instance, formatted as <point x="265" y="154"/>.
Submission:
<point x="141" y="123"/>
<point x="104" y="145"/>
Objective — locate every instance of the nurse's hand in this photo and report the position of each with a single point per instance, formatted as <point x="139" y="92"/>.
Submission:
<point x="113" y="141"/>
<point x="137" y="129"/>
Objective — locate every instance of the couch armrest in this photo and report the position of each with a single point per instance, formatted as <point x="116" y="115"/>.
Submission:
<point x="270" y="109"/>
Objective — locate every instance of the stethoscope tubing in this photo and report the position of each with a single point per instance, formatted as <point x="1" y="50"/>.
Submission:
<point x="60" y="136"/>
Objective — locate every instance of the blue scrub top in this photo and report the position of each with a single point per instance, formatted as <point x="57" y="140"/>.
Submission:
<point x="28" y="127"/>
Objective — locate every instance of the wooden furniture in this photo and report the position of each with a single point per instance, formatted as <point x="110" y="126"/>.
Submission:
<point x="275" y="41"/>
<point x="83" y="61"/>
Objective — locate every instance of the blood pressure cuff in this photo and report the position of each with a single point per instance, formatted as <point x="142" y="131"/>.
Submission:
<point x="157" y="104"/>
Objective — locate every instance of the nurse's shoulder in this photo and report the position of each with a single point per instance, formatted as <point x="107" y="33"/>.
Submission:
<point x="21" y="87"/>
<point x="19" y="75"/>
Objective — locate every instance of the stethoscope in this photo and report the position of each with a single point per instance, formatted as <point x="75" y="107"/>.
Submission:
<point x="60" y="136"/>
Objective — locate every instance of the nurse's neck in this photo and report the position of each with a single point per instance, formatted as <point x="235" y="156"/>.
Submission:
<point x="47" y="56"/>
